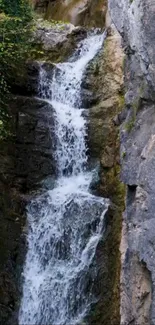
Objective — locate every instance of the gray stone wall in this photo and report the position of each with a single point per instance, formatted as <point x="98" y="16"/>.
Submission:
<point x="135" y="22"/>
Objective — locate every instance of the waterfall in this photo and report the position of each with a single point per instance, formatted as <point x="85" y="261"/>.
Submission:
<point x="65" y="223"/>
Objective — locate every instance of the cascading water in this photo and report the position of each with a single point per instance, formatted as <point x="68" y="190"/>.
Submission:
<point x="66" y="223"/>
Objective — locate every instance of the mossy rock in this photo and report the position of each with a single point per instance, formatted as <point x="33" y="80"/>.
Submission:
<point x="105" y="76"/>
<point x="55" y="41"/>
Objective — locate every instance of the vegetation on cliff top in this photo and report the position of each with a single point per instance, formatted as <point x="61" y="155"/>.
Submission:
<point x="15" y="30"/>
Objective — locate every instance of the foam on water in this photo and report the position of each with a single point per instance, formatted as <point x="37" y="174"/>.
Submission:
<point x="66" y="223"/>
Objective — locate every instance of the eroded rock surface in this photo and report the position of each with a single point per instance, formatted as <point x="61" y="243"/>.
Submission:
<point x="103" y="94"/>
<point x="135" y="22"/>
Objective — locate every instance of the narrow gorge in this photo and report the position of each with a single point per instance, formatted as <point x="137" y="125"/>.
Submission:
<point x="77" y="169"/>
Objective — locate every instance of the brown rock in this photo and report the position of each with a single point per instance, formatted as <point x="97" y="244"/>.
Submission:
<point x="107" y="159"/>
<point x="104" y="77"/>
<point x="81" y="12"/>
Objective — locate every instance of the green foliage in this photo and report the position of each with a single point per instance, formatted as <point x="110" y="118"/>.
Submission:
<point x="15" y="31"/>
<point x="17" y="8"/>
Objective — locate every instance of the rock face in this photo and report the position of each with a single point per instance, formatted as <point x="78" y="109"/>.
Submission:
<point x="103" y="93"/>
<point x="26" y="160"/>
<point x="11" y="227"/>
<point x="80" y="12"/>
<point x="34" y="142"/>
<point x="135" y="22"/>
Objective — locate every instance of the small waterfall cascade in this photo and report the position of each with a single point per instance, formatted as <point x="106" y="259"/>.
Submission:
<point x="65" y="224"/>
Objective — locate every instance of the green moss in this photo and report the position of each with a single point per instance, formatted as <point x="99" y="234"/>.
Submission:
<point x="124" y="62"/>
<point x="123" y="154"/>
<point x="59" y="24"/>
<point x="121" y="101"/>
<point x="113" y="244"/>
<point x="135" y="106"/>
<point x="56" y="54"/>
<point x="130" y="124"/>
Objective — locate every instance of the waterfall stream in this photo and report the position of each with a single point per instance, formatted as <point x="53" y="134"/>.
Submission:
<point x="66" y="223"/>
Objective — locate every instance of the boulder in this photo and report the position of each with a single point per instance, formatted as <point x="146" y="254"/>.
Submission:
<point x="55" y="41"/>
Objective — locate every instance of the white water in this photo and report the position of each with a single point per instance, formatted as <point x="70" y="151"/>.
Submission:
<point x="65" y="224"/>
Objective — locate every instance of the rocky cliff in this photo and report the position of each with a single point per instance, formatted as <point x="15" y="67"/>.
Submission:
<point x="29" y="161"/>
<point x="135" y="22"/>
<point x="27" y="158"/>
<point x="114" y="103"/>
<point x="103" y="86"/>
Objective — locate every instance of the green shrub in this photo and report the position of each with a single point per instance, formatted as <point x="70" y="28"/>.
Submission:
<point x="15" y="32"/>
<point x="17" y="8"/>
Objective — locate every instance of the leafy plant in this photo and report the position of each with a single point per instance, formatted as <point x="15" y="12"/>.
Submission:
<point x="16" y="8"/>
<point x="15" y="31"/>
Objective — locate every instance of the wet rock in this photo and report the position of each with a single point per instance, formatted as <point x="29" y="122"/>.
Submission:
<point x="55" y="41"/>
<point x="11" y="224"/>
<point x="26" y="160"/>
<point x="34" y="141"/>
<point x="52" y="42"/>
<point x="26" y="82"/>
<point x="88" y="98"/>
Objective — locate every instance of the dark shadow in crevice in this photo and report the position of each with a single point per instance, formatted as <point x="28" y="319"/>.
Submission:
<point x="131" y="193"/>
